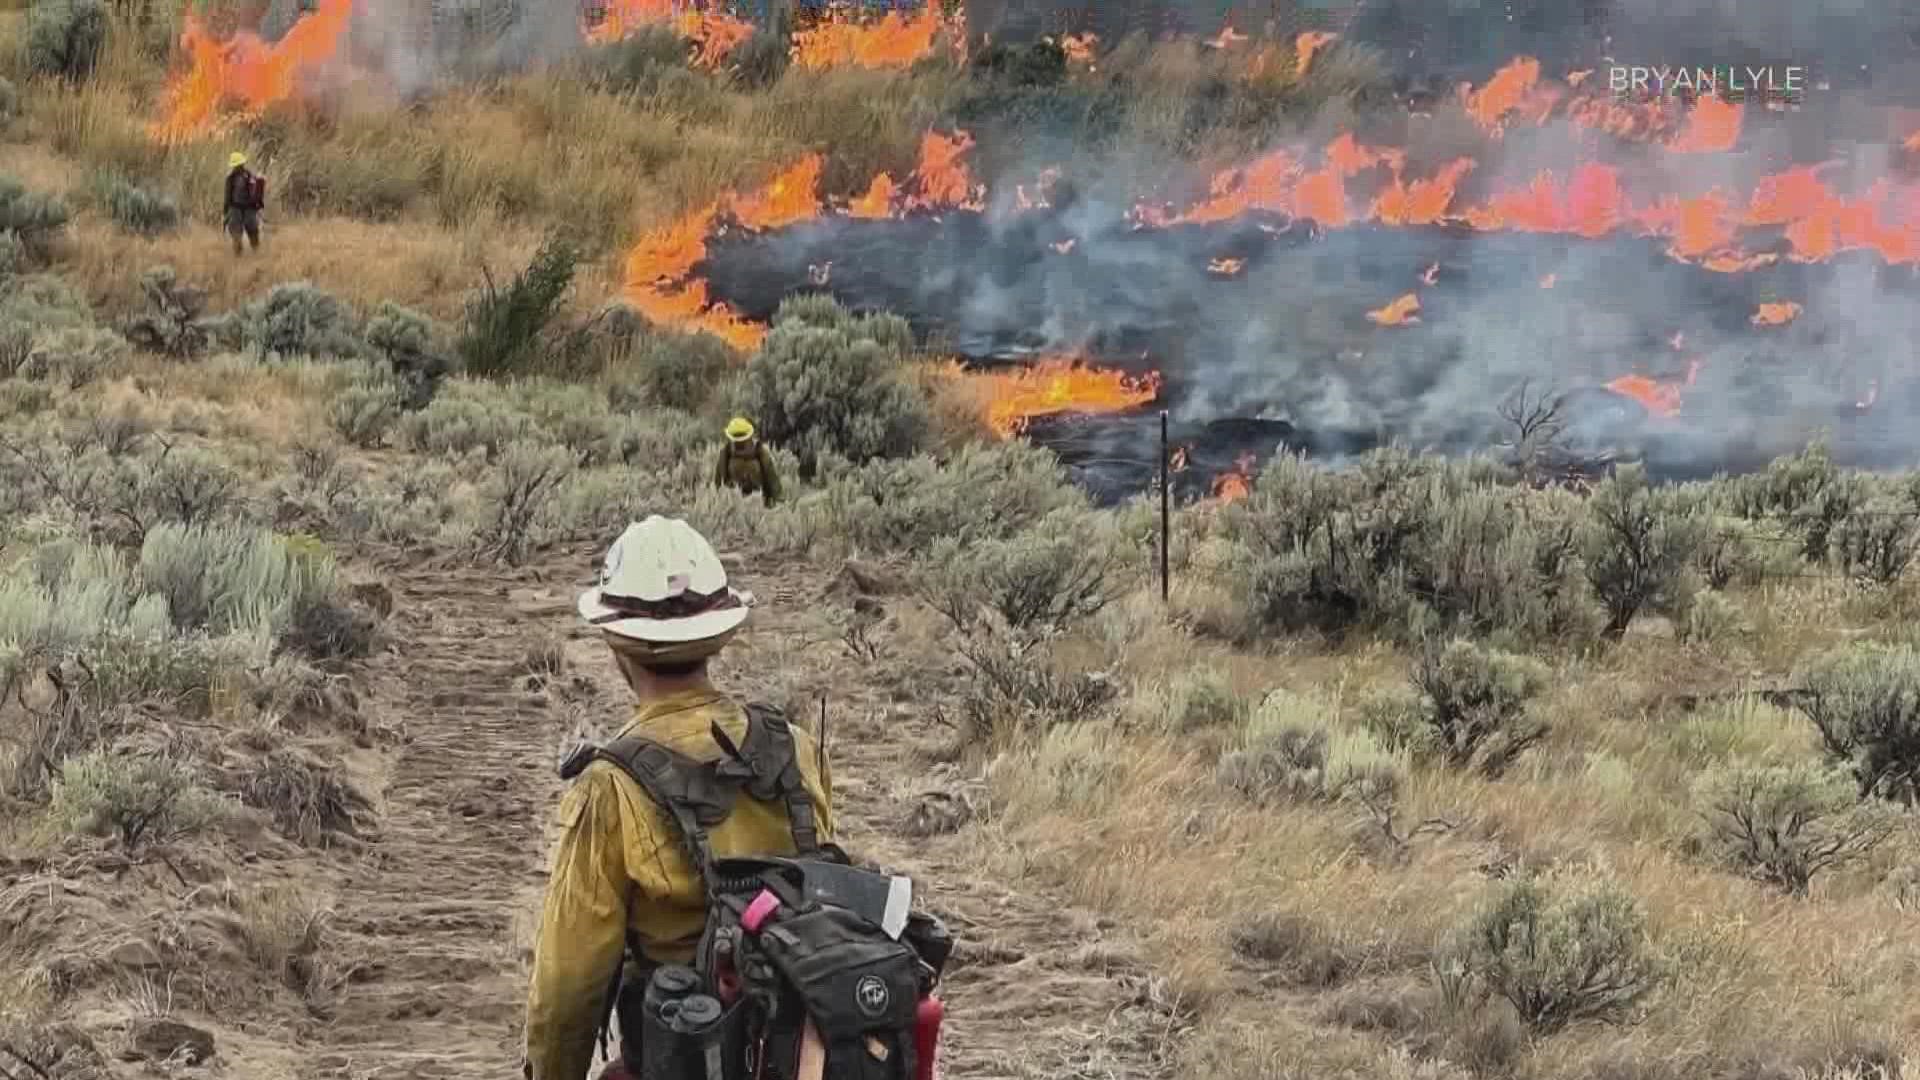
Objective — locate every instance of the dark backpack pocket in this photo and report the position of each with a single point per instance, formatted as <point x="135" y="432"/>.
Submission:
<point x="851" y="978"/>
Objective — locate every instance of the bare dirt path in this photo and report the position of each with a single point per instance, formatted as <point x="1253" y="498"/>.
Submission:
<point x="438" y="914"/>
<point x="432" y="915"/>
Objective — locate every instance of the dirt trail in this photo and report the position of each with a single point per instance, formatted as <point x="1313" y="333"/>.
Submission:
<point x="432" y="914"/>
<point x="438" y="913"/>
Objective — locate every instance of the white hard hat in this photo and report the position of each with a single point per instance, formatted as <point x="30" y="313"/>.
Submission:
<point x="662" y="582"/>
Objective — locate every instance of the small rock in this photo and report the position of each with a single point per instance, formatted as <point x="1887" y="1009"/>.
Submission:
<point x="162" y="1040"/>
<point x="135" y="953"/>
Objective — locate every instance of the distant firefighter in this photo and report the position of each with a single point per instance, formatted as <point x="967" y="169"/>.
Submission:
<point x="746" y="464"/>
<point x="246" y="197"/>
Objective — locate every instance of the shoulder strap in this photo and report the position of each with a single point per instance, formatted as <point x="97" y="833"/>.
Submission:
<point x="772" y="771"/>
<point x="682" y="787"/>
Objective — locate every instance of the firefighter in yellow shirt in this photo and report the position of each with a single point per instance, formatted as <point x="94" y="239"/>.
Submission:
<point x="746" y="465"/>
<point x="619" y="876"/>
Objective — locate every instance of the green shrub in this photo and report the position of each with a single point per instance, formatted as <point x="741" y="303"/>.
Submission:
<point x="1193" y="700"/>
<point x="1293" y="749"/>
<point x="1474" y="703"/>
<point x="465" y="418"/>
<point x="34" y="218"/>
<point x="1709" y="618"/>
<point x="225" y="578"/>
<point x="1016" y="686"/>
<point x="293" y="319"/>
<point x="1639" y="545"/>
<point x="1561" y="951"/>
<point x="1806" y="492"/>
<point x="181" y="485"/>
<point x="517" y="496"/>
<point x="138" y="210"/>
<point x="143" y="799"/>
<point x="501" y="335"/>
<point x="1068" y="566"/>
<point x="1738" y="551"/>
<point x="1877" y="541"/>
<point x="65" y="37"/>
<point x="680" y="371"/>
<point x="365" y="411"/>
<point x="71" y="359"/>
<point x="171" y="324"/>
<point x="983" y="492"/>
<point x="414" y="346"/>
<point x="827" y="382"/>
<point x="1865" y="702"/>
<point x="1784" y="824"/>
<point x="1408" y="545"/>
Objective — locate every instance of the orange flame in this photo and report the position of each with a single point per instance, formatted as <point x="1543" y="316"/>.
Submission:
<point x="659" y="270"/>
<point x="1064" y="246"/>
<point x="714" y="34"/>
<point x="1226" y="267"/>
<point x="1177" y="461"/>
<point x="1431" y="274"/>
<point x="1306" y="45"/>
<point x="1713" y="127"/>
<point x="619" y="19"/>
<point x="1504" y="93"/>
<point x="942" y="178"/>
<point x="1079" y="47"/>
<point x="1425" y="202"/>
<point x="1399" y="313"/>
<point x="877" y="202"/>
<point x="246" y="72"/>
<point x="1058" y="385"/>
<point x="1237" y="482"/>
<point x="897" y="40"/>
<point x="793" y="196"/>
<point x="717" y="34"/>
<point x="1776" y="314"/>
<point x="1660" y="398"/>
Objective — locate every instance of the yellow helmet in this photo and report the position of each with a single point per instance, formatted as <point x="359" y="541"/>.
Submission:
<point x="236" y="159"/>
<point x="739" y="430"/>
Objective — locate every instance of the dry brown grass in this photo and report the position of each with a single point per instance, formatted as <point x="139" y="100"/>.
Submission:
<point x="1255" y="916"/>
<point x="361" y="262"/>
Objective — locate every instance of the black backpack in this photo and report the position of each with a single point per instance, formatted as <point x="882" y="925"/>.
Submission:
<point x="789" y="942"/>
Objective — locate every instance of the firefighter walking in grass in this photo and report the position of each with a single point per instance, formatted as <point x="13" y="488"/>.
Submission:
<point x="685" y="908"/>
<point x="745" y="464"/>
<point x="246" y="197"/>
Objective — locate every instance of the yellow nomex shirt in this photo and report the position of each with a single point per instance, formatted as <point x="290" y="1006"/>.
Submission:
<point x="619" y="867"/>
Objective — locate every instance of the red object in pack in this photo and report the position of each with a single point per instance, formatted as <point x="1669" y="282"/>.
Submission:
<point x="926" y="1037"/>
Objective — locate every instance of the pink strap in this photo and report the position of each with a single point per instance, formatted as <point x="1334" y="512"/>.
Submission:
<point x="757" y="912"/>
